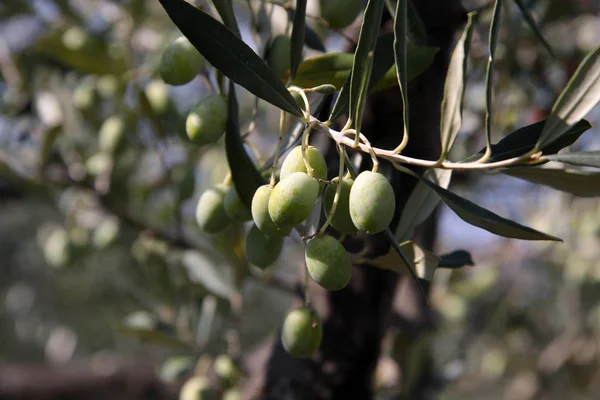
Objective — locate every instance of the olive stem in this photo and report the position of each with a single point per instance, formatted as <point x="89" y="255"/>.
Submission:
<point x="279" y="140"/>
<point x="338" y="190"/>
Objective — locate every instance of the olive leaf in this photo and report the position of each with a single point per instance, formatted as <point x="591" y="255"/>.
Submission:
<point x="202" y="270"/>
<point x="456" y="259"/>
<point x="582" y="158"/>
<point x="421" y="202"/>
<point x="485" y="219"/>
<point x="229" y="54"/>
<point x="578" y="183"/>
<point x="580" y="95"/>
<point x="312" y="40"/>
<point x="298" y="32"/>
<point x="536" y="30"/>
<point x="400" y="50"/>
<point x="363" y="60"/>
<point x="244" y="174"/>
<point x="489" y="73"/>
<point x="225" y="10"/>
<point x="451" y="114"/>
<point x="523" y="140"/>
<point x="424" y="262"/>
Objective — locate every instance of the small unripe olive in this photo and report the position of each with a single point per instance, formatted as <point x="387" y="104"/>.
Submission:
<point x="232" y="394"/>
<point x="279" y="54"/>
<point x="328" y="263"/>
<point x="302" y="332"/>
<point x="341" y="220"/>
<point x="158" y="96"/>
<point x="340" y="13"/>
<point x="262" y="250"/>
<point x="84" y="95"/>
<point x="57" y="249"/>
<point x="372" y="202"/>
<point x="293" y="199"/>
<point x="175" y="368"/>
<point x="226" y="370"/>
<point x="111" y="136"/>
<point x="206" y="122"/>
<point x="180" y="62"/>
<point x="234" y="207"/>
<point x="210" y="212"/>
<point x="197" y="388"/>
<point x="295" y="163"/>
<point x="261" y="216"/>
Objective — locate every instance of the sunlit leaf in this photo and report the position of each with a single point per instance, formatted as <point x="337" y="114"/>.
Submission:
<point x="298" y="33"/>
<point x="205" y="272"/>
<point x="485" y="219"/>
<point x="363" y="60"/>
<point x="583" y="158"/>
<point x="451" y="114"/>
<point x="576" y="100"/>
<point x="532" y="24"/>
<point x="523" y="140"/>
<point x="424" y="262"/>
<point x="244" y="174"/>
<point x="578" y="183"/>
<point x="421" y="203"/>
<point x="489" y="74"/>
<point x="456" y="259"/>
<point x="229" y="54"/>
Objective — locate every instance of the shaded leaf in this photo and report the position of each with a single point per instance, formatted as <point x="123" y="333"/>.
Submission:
<point x="244" y="174"/>
<point x="578" y="183"/>
<point x="225" y="10"/>
<point x="485" y="219"/>
<point x="421" y="202"/>
<point x="230" y="55"/>
<point x="489" y="73"/>
<point x="312" y="40"/>
<point x="424" y="262"/>
<point x="456" y="259"/>
<point x="363" y="60"/>
<point x="583" y="158"/>
<point x="451" y="114"/>
<point x="532" y="24"/>
<point x="202" y="270"/>
<point x="576" y="100"/>
<point x="298" y="32"/>
<point x="400" y="50"/>
<point x="523" y="140"/>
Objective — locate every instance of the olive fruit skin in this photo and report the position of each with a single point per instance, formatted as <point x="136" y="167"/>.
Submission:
<point x="340" y="13"/>
<point x="327" y="262"/>
<point x="262" y="250"/>
<point x="278" y="58"/>
<point x="302" y="332"/>
<point x="157" y="94"/>
<point x="261" y="216"/>
<point x="210" y="212"/>
<point x="293" y="199"/>
<point x="206" y="122"/>
<point x="341" y="220"/>
<point x="295" y="163"/>
<point x="234" y="207"/>
<point x="226" y="370"/>
<point x="196" y="388"/>
<point x="372" y="202"/>
<point x="180" y="62"/>
<point x="111" y="136"/>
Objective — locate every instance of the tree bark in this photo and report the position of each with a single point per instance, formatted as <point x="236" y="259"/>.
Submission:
<point x="355" y="318"/>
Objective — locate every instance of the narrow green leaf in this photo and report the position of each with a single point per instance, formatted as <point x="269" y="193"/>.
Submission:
<point x="152" y="336"/>
<point x="244" y="174"/>
<point x="421" y="202"/>
<point x="576" y="100"/>
<point x="578" y="183"/>
<point x="532" y="24"/>
<point x="424" y="262"/>
<point x="582" y="158"/>
<point x="312" y="40"/>
<point x="451" y="115"/>
<point x="489" y="74"/>
<point x="456" y="259"/>
<point x="416" y="28"/>
<point x="363" y="60"/>
<point x="523" y="140"/>
<point x="298" y="32"/>
<point x="407" y="260"/>
<point x="229" y="54"/>
<point x="202" y="270"/>
<point x="485" y="219"/>
<point x="400" y="50"/>
<point x="225" y="10"/>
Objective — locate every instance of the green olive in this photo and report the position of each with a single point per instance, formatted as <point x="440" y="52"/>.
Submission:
<point x="261" y="216"/>
<point x="328" y="263"/>
<point x="302" y="332"/>
<point x="278" y="57"/>
<point x="207" y="121"/>
<point x="180" y="62"/>
<point x="157" y="94"/>
<point x="340" y="13"/>
<point x="111" y="137"/>
<point x="234" y="207"/>
<point x="372" y="202"/>
<point x="295" y="163"/>
<point x="226" y="370"/>
<point x="197" y="388"/>
<point x="210" y="212"/>
<point x="262" y="250"/>
<point x="341" y="220"/>
<point x="293" y="199"/>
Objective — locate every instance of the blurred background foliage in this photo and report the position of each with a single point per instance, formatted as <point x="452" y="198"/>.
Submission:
<point x="101" y="258"/>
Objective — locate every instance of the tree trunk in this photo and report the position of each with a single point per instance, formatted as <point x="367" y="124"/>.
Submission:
<point x="355" y="318"/>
